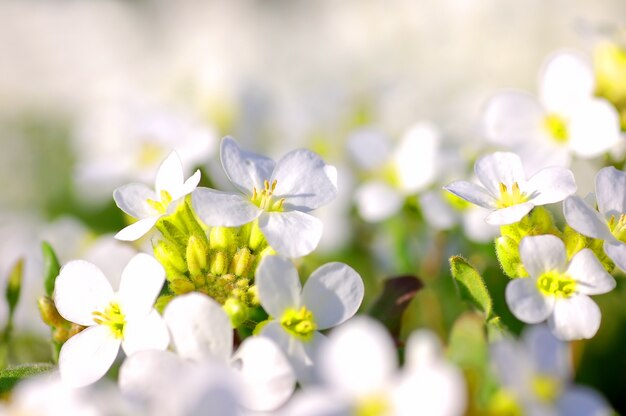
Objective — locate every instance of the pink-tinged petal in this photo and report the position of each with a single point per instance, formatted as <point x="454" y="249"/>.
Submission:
<point x="611" y="192"/>
<point x="617" y="252"/>
<point x="542" y="253"/>
<point x="133" y="200"/>
<point x="304" y="180"/>
<point x="576" y="317"/>
<point x="81" y="289"/>
<point x="567" y="78"/>
<point x="511" y="117"/>
<point x="333" y="293"/>
<point x="145" y="333"/>
<point x="223" y="209"/>
<point x="141" y="283"/>
<point x="551" y="185"/>
<point x="200" y="328"/>
<point x="586" y="220"/>
<point x="278" y="285"/>
<point x="246" y="170"/>
<point x="170" y="175"/>
<point x="472" y="193"/>
<point x="137" y="229"/>
<point x="268" y="380"/>
<point x="87" y="356"/>
<point x="377" y="201"/>
<point x="526" y="302"/>
<point x="594" y="128"/>
<point x="292" y="234"/>
<point x="591" y="278"/>
<point x="499" y="167"/>
<point x="509" y="215"/>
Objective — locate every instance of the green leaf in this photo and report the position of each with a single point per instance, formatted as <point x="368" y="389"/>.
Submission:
<point x="471" y="285"/>
<point x="51" y="267"/>
<point x="10" y="376"/>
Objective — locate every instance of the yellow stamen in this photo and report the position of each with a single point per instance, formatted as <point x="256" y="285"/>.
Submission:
<point x="113" y="318"/>
<point x="265" y="199"/>
<point x="556" y="284"/>
<point x="162" y="204"/>
<point x="299" y="323"/>
<point x="509" y="198"/>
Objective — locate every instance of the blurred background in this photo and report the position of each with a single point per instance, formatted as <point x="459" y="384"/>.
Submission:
<point x="94" y="95"/>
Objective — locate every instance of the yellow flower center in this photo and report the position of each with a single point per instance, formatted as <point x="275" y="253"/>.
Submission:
<point x="299" y="323"/>
<point x="504" y="403"/>
<point x="162" y="204"/>
<point x="556" y="126"/>
<point x="546" y="388"/>
<point x="265" y="198"/>
<point x="511" y="197"/>
<point x="113" y="318"/>
<point x="618" y="227"/>
<point x="556" y="284"/>
<point x="373" y="405"/>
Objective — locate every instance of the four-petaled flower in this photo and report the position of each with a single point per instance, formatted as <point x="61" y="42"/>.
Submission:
<point x="83" y="295"/>
<point x="558" y="291"/>
<point x="139" y="201"/>
<point x="506" y="190"/>
<point x="279" y="194"/>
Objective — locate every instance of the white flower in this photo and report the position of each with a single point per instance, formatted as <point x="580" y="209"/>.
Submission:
<point x="331" y="295"/>
<point x="359" y="374"/>
<point x="408" y="169"/>
<point x="610" y="223"/>
<point x="139" y="201"/>
<point x="279" y="194"/>
<point x="83" y="295"/>
<point x="507" y="192"/>
<point x="566" y="119"/>
<point x="557" y="291"/>
<point x="537" y="373"/>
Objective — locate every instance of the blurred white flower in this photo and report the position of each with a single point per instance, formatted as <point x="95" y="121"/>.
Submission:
<point x="609" y="224"/>
<point x="358" y="370"/>
<point x="566" y="119"/>
<point x="507" y="192"/>
<point x="83" y="295"/>
<point x="330" y="296"/>
<point x="558" y="291"/>
<point x="536" y="371"/>
<point x="280" y="195"/>
<point x="139" y="201"/>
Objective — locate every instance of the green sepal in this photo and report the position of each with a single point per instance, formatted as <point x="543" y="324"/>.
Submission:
<point x="471" y="285"/>
<point x="51" y="267"/>
<point x="574" y="242"/>
<point x="172" y="233"/>
<point x="507" y="252"/>
<point x="10" y="376"/>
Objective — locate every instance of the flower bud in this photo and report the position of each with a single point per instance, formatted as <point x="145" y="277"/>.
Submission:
<point x="507" y="251"/>
<point x="169" y="256"/>
<point x="197" y="254"/>
<point x="236" y="311"/>
<point x="242" y="262"/>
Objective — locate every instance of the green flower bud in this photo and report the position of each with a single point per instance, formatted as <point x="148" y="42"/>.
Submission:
<point x="257" y="239"/>
<point x="223" y="238"/>
<point x="49" y="313"/>
<point x="242" y="262"/>
<point x="237" y="311"/>
<point x="170" y="256"/>
<point x="14" y="285"/>
<point x="197" y="255"/>
<point x="507" y="251"/>
<point x="182" y="286"/>
<point x="219" y="263"/>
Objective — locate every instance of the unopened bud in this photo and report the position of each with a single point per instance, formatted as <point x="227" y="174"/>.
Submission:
<point x="49" y="313"/>
<point x="181" y="286"/>
<point x="257" y="239"/>
<point x="222" y="238"/>
<point x="169" y="256"/>
<point x="219" y="263"/>
<point x="14" y="285"/>
<point x="241" y="262"/>
<point x="507" y="251"/>
<point x="197" y="254"/>
<point x="236" y="311"/>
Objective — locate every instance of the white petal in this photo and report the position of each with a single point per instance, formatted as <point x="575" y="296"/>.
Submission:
<point x="567" y="79"/>
<point x="200" y="328"/>
<point x="149" y="373"/>
<point x="301" y="355"/>
<point x="512" y="363"/>
<point x="333" y="293"/>
<point x="415" y="157"/>
<point x="550" y="356"/>
<point x="497" y="168"/>
<point x="583" y="401"/>
<point x="141" y="282"/>
<point x="617" y="252"/>
<point x="551" y="185"/>
<point x="81" y="289"/>
<point x="591" y="278"/>
<point x="267" y="377"/>
<point x="223" y="209"/>
<point x="525" y="301"/>
<point x="512" y="117"/>
<point x="189" y="186"/>
<point x="137" y="229"/>
<point x="594" y="128"/>
<point x="145" y="333"/>
<point x="472" y="193"/>
<point x="302" y="179"/>
<point x="246" y="170"/>
<point x="170" y="174"/>
<point x="278" y="285"/>
<point x="359" y="358"/>
<point x="542" y="253"/>
<point x="133" y="200"/>
<point x="377" y="201"/>
<point x="293" y="233"/>
<point x="368" y="148"/>
<point x="437" y="212"/>
<point x="576" y="317"/>
<point x="586" y="220"/>
<point x="509" y="215"/>
<point x="423" y="348"/>
<point x="611" y="192"/>
<point x="87" y="356"/>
